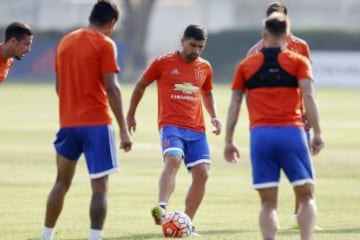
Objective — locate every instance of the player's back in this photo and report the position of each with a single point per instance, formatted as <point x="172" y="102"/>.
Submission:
<point x="80" y="64"/>
<point x="271" y="102"/>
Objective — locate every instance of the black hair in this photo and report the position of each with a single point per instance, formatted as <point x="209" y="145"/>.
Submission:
<point x="195" y="31"/>
<point x="103" y="12"/>
<point x="17" y="30"/>
<point x="276" y="7"/>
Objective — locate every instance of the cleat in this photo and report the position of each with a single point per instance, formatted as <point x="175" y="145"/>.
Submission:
<point x="194" y="233"/>
<point x="296" y="226"/>
<point x="317" y="228"/>
<point x="158" y="214"/>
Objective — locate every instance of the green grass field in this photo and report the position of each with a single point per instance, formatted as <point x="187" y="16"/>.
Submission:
<point x="28" y="123"/>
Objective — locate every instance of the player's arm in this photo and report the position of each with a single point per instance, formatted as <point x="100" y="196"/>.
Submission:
<point x="136" y="97"/>
<point x="210" y="105"/>
<point x="115" y="100"/>
<point x="231" y="152"/>
<point x="312" y="113"/>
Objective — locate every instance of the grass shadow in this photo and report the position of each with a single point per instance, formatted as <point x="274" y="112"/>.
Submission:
<point x="288" y="232"/>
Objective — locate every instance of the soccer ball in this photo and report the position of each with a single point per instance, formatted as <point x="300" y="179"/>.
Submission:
<point x="176" y="225"/>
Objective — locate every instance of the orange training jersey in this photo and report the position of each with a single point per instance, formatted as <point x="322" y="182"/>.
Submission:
<point x="273" y="106"/>
<point x="82" y="58"/>
<point x="4" y="68"/>
<point x="294" y="44"/>
<point x="180" y="86"/>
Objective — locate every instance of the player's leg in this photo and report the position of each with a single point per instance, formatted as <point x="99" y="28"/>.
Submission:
<point x="295" y="225"/>
<point x="266" y="176"/>
<point x="98" y="206"/>
<point x="297" y="165"/>
<point x="196" y="191"/>
<point x="68" y="151"/>
<point x="167" y="181"/>
<point x="55" y="201"/>
<point x="268" y="218"/>
<point x="197" y="160"/>
<point x="173" y="154"/>
<point x="306" y="215"/>
<point x="101" y="158"/>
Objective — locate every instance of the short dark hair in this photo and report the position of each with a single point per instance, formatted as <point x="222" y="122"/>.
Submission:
<point x="17" y="30"/>
<point x="103" y="12"/>
<point x="277" y="24"/>
<point x="276" y="7"/>
<point x="195" y="31"/>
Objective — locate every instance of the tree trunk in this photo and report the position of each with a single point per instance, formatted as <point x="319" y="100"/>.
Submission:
<point x="135" y="33"/>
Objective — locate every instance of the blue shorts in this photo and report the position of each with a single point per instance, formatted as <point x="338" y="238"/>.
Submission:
<point x="193" y="146"/>
<point x="276" y="148"/>
<point x="96" y="142"/>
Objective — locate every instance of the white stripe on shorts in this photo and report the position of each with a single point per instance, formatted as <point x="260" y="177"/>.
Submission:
<point x="265" y="185"/>
<point x="112" y="142"/>
<point x="104" y="173"/>
<point x="302" y="182"/>
<point x="197" y="162"/>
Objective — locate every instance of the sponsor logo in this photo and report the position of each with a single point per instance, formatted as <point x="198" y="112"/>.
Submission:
<point x="175" y="71"/>
<point x="187" y="88"/>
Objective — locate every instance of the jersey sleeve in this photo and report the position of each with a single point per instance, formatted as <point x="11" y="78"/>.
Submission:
<point x="109" y="58"/>
<point x="208" y="84"/>
<point x="306" y="51"/>
<point x="257" y="47"/>
<point x="153" y="72"/>
<point x="304" y="69"/>
<point x="238" y="82"/>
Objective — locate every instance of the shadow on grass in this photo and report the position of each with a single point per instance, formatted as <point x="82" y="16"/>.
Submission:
<point x="160" y="236"/>
<point x="287" y="232"/>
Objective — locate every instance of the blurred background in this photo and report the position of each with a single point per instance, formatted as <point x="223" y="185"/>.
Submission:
<point x="154" y="27"/>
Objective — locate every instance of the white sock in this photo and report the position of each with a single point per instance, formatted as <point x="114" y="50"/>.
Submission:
<point x="95" y="234"/>
<point x="295" y="217"/>
<point x="47" y="234"/>
<point x="163" y="205"/>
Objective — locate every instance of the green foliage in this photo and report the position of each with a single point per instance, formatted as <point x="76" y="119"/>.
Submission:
<point x="28" y="124"/>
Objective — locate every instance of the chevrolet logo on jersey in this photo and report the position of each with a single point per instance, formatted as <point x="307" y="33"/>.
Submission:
<point x="188" y="88"/>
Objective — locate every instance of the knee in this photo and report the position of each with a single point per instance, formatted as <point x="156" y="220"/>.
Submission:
<point x="201" y="176"/>
<point x="172" y="163"/>
<point x="62" y="185"/>
<point x="305" y="193"/>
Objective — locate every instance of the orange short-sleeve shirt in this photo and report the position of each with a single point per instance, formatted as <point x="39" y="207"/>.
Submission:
<point x="4" y="68"/>
<point x="83" y="57"/>
<point x="273" y="106"/>
<point x="180" y="86"/>
<point x="294" y="44"/>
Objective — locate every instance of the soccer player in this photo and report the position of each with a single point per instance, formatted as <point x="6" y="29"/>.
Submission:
<point x="184" y="82"/>
<point x="87" y="86"/>
<point x="299" y="46"/>
<point x="18" y="40"/>
<point x="275" y="82"/>
<point x="294" y="43"/>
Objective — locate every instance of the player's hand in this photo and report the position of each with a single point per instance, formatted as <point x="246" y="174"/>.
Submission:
<point x="231" y="153"/>
<point x="125" y="141"/>
<point x="131" y="122"/>
<point x="317" y="144"/>
<point x="217" y="124"/>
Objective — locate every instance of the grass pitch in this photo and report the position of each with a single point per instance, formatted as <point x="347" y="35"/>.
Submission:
<point x="28" y="123"/>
